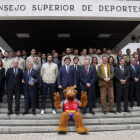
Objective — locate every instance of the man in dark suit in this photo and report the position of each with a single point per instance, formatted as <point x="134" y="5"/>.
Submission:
<point x="30" y="88"/>
<point x="37" y="67"/>
<point x="119" y="57"/>
<point x="122" y="76"/>
<point x="43" y="59"/>
<point x="56" y="60"/>
<point x="14" y="81"/>
<point x="92" y="66"/>
<point x="77" y="68"/>
<point x="66" y="76"/>
<point x="88" y="78"/>
<point x="134" y="82"/>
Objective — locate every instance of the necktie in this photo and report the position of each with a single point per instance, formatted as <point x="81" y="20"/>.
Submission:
<point x="15" y="72"/>
<point x="28" y="73"/>
<point x="76" y="67"/>
<point x="87" y="70"/>
<point x="134" y="68"/>
<point x="122" y="70"/>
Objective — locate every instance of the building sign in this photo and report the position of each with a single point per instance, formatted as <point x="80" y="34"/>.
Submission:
<point x="35" y="9"/>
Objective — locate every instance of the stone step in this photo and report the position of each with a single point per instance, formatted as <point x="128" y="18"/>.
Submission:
<point x="49" y="110"/>
<point x="57" y="116"/>
<point x="49" y="104"/>
<point x="103" y="121"/>
<point x="48" y="129"/>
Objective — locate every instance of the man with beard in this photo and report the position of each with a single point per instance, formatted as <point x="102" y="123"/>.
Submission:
<point x="68" y="54"/>
<point x="21" y="65"/>
<point x="99" y="56"/>
<point x="82" y="58"/>
<point x="49" y="73"/>
<point x="30" y="58"/>
<point x="7" y="63"/>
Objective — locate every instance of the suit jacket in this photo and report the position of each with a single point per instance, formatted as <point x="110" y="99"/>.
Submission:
<point x="13" y="81"/>
<point x="118" y="60"/>
<point x="38" y="68"/>
<point x="124" y="76"/>
<point x="34" y="74"/>
<point x="134" y="74"/>
<point x="2" y="76"/>
<point x="41" y="61"/>
<point x="90" y="78"/>
<point x="101" y="77"/>
<point x="77" y="74"/>
<point x="64" y="77"/>
<point x="57" y="62"/>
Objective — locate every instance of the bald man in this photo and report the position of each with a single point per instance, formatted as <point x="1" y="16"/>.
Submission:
<point x="14" y="80"/>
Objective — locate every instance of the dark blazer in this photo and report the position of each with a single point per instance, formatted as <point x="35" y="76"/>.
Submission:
<point x="58" y="62"/>
<point x="124" y="76"/>
<point x="90" y="78"/>
<point x="13" y="81"/>
<point x="64" y="77"/>
<point x="2" y="77"/>
<point x="134" y="74"/>
<point x="77" y="74"/>
<point x="41" y="61"/>
<point x="34" y="74"/>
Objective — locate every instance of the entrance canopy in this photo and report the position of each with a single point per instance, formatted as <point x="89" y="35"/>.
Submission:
<point x="45" y="35"/>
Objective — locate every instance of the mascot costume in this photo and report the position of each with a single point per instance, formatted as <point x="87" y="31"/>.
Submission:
<point x="70" y="106"/>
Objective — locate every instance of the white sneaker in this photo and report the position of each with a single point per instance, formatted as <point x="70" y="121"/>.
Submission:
<point x="53" y="111"/>
<point x="13" y="97"/>
<point x="22" y="96"/>
<point x="42" y="112"/>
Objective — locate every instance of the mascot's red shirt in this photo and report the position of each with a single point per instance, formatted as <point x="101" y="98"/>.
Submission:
<point x="70" y="107"/>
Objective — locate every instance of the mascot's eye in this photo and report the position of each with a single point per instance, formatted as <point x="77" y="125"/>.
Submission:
<point x="69" y="90"/>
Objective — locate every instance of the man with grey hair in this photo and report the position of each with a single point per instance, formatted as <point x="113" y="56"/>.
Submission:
<point x="14" y="79"/>
<point x="88" y="79"/>
<point x="30" y="79"/>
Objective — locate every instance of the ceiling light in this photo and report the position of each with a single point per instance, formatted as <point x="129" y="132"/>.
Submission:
<point x="104" y="35"/>
<point x="23" y="35"/>
<point x="63" y="35"/>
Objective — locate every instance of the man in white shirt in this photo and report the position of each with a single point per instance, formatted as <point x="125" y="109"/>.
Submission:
<point x="68" y="54"/>
<point x="30" y="58"/>
<point x="82" y="58"/>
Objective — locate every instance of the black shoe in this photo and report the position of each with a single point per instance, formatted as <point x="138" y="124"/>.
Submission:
<point x="105" y="112"/>
<point x="34" y="113"/>
<point x="9" y="113"/>
<point x="128" y="111"/>
<point x="17" y="113"/>
<point x="94" y="106"/>
<point x="24" y="113"/>
<point x="84" y="112"/>
<point x="119" y="111"/>
<point x="131" y="106"/>
<point x="92" y="112"/>
<point x="112" y="111"/>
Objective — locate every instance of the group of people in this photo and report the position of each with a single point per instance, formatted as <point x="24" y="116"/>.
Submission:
<point x="97" y="73"/>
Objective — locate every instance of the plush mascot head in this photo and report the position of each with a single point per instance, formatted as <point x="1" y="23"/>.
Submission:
<point x="70" y="94"/>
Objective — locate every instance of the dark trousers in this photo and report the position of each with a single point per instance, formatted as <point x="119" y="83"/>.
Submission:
<point x="37" y="97"/>
<point x="134" y="89"/>
<point x="90" y="97"/>
<point x="30" y="95"/>
<point x="78" y="92"/>
<point x="17" y="100"/>
<point x="45" y="89"/>
<point x="122" y="91"/>
<point x="1" y="93"/>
